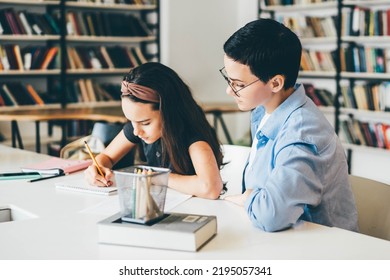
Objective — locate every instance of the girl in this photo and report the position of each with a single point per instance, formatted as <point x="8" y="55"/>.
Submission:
<point x="172" y="128"/>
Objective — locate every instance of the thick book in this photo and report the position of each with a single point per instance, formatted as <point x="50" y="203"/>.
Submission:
<point x="57" y="166"/>
<point x="175" y="231"/>
<point x="34" y="94"/>
<point x="82" y="186"/>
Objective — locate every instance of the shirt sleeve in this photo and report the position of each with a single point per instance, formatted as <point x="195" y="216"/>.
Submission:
<point x="292" y="185"/>
<point x="128" y="131"/>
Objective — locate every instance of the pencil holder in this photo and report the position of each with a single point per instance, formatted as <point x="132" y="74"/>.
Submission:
<point x="141" y="192"/>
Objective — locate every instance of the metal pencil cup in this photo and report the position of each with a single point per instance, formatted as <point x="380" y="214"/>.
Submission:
<point x="141" y="191"/>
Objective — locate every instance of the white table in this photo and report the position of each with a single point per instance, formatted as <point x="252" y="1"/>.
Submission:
<point x="65" y="227"/>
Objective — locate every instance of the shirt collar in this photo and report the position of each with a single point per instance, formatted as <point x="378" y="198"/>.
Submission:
<point x="281" y="113"/>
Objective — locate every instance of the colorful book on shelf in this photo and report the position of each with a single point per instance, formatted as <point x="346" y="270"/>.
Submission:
<point x="24" y="21"/>
<point x="11" y="19"/>
<point x="52" y="23"/>
<point x="2" y="101"/>
<point x="4" y="23"/>
<point x="8" y="96"/>
<point x="56" y="165"/>
<point x="35" y="95"/>
<point x="20" y="93"/>
<point x="50" y="55"/>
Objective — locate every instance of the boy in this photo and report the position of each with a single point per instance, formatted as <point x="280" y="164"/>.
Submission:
<point x="297" y="168"/>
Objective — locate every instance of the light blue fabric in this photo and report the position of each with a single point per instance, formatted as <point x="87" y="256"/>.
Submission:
<point x="299" y="171"/>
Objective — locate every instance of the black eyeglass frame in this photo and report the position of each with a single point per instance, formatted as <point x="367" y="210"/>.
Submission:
<point x="227" y="79"/>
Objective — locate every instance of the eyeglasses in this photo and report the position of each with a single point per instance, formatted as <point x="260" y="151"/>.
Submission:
<point x="230" y="83"/>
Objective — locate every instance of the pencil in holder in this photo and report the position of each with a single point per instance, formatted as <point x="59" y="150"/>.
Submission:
<point x="141" y="192"/>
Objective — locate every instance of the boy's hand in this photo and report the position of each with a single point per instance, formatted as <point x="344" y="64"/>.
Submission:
<point x="238" y="199"/>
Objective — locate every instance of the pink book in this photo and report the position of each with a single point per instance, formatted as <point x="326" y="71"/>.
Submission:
<point x="56" y="165"/>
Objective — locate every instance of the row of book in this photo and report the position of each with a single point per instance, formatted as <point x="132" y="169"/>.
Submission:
<point x="364" y="59"/>
<point x="128" y="2"/>
<point x="14" y="57"/>
<point x="365" y="133"/>
<point x="314" y="60"/>
<point x="18" y="94"/>
<point x="353" y="58"/>
<point x="104" y="57"/>
<point x="367" y="96"/>
<point x="105" y="24"/>
<point x="310" y="27"/>
<point x="320" y="96"/>
<point x="27" y="23"/>
<point x="88" y="90"/>
<point x="294" y="2"/>
<point x="365" y="22"/>
<point x="82" y="90"/>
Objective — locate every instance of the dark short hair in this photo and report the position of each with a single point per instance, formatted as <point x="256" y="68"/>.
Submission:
<point x="269" y="48"/>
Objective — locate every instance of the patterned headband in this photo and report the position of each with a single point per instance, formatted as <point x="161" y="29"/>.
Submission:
<point x="141" y="92"/>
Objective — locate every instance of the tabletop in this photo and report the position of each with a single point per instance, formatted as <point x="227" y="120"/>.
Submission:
<point x="59" y="224"/>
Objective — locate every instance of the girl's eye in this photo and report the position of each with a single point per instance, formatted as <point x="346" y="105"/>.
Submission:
<point x="146" y="123"/>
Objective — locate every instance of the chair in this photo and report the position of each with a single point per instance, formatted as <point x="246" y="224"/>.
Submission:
<point x="373" y="206"/>
<point x="235" y="158"/>
<point x="102" y="134"/>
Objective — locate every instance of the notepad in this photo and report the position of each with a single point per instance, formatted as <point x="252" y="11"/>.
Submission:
<point x="55" y="166"/>
<point x="81" y="185"/>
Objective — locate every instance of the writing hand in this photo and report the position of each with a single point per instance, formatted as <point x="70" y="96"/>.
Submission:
<point x="94" y="178"/>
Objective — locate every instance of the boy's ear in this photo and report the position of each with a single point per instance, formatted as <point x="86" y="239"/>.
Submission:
<point x="277" y="83"/>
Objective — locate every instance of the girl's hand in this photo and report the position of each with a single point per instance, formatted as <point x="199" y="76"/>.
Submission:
<point x="94" y="178"/>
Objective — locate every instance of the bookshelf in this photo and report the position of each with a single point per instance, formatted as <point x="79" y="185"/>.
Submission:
<point x="361" y="54"/>
<point x="365" y="31"/>
<point x="29" y="42"/>
<point x="84" y="57"/>
<point x="92" y="45"/>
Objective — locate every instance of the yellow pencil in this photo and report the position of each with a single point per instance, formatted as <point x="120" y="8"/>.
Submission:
<point x="94" y="159"/>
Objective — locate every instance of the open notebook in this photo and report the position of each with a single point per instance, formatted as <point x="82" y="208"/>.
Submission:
<point x="80" y="185"/>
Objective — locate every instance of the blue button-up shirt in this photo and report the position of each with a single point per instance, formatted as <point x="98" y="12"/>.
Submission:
<point x="299" y="170"/>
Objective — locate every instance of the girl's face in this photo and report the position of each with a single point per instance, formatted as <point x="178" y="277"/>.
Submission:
<point x="146" y="121"/>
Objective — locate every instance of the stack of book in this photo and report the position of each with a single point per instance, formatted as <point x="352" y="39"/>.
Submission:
<point x="16" y="93"/>
<point x="104" y="57"/>
<point x="105" y="24"/>
<point x="87" y="90"/>
<point x="320" y="97"/>
<point x="314" y="60"/>
<point x="12" y="57"/>
<point x="366" y="133"/>
<point x="27" y="23"/>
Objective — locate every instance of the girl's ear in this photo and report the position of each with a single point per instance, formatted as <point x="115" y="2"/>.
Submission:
<point x="277" y="83"/>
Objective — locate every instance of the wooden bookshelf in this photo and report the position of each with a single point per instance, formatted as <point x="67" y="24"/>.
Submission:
<point x="57" y="77"/>
<point x="58" y="83"/>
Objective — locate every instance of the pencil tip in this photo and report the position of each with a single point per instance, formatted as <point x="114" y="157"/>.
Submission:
<point x="85" y="142"/>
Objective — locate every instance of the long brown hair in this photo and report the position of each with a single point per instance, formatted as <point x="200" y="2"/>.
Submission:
<point x="181" y="116"/>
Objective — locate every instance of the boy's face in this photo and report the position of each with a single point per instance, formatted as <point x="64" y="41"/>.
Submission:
<point x="251" y="96"/>
<point x="146" y="121"/>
